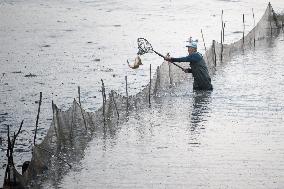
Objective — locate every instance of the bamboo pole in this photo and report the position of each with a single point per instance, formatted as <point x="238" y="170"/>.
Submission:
<point x="203" y="41"/>
<point x="270" y="27"/>
<point x="83" y="116"/>
<point x="115" y="106"/>
<point x="10" y="150"/>
<point x="270" y="20"/>
<point x="54" y="116"/>
<point x="243" y="29"/>
<point x="221" y="36"/>
<point x="16" y="135"/>
<point x="7" y="172"/>
<point x="170" y="75"/>
<point x="253" y="28"/>
<point x="37" y="117"/>
<point x="126" y="90"/>
<point x="204" y="45"/>
<point x="157" y="83"/>
<point x="214" y="53"/>
<point x="223" y="27"/>
<point x="150" y="85"/>
<point x="103" y="95"/>
<point x="79" y="94"/>
<point x="80" y="104"/>
<point x="221" y="53"/>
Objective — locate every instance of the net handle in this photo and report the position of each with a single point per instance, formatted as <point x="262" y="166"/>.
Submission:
<point x="183" y="69"/>
<point x="159" y="54"/>
<point x="171" y="62"/>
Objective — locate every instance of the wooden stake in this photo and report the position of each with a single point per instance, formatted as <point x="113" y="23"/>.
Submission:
<point x="83" y="116"/>
<point x="221" y="36"/>
<point x="221" y="53"/>
<point x="150" y="85"/>
<point x="270" y="26"/>
<point x="112" y="94"/>
<point x="79" y="94"/>
<point x="170" y="75"/>
<point x="204" y="46"/>
<point x="37" y="117"/>
<point x="244" y="29"/>
<point x="126" y="90"/>
<point x="103" y="95"/>
<point x="222" y="26"/>
<point x="10" y="150"/>
<point x="157" y="84"/>
<point x="253" y="28"/>
<point x="16" y="135"/>
<point x="214" y="53"/>
<point x="203" y="40"/>
<point x="7" y="172"/>
<point x="54" y="117"/>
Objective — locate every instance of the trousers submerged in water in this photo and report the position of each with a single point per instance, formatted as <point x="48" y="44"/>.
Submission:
<point x="202" y="80"/>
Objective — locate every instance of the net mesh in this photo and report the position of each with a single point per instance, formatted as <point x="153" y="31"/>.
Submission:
<point x="71" y="130"/>
<point x="144" y="46"/>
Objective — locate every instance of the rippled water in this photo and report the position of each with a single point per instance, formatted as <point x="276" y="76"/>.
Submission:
<point x="229" y="138"/>
<point x="70" y="43"/>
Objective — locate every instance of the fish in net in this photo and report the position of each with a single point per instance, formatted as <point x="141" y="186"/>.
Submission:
<point x="136" y="64"/>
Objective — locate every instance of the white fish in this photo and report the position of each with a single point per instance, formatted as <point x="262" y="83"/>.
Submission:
<point x="137" y="63"/>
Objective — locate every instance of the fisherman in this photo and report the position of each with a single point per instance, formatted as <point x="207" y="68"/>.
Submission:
<point x="198" y="68"/>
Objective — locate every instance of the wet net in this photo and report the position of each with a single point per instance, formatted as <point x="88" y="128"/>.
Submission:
<point x="71" y="130"/>
<point x="144" y="46"/>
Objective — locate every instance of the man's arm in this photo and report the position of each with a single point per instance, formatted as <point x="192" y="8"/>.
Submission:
<point x="191" y="58"/>
<point x="169" y="59"/>
<point x="182" y="59"/>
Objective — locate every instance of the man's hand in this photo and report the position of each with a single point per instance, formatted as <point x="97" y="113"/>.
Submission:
<point x="188" y="70"/>
<point x="168" y="58"/>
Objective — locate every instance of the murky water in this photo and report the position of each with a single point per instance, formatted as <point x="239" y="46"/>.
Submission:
<point x="71" y="43"/>
<point x="229" y="138"/>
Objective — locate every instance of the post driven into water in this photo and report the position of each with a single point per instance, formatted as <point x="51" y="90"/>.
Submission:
<point x="150" y="83"/>
<point x="126" y="91"/>
<point x="37" y="117"/>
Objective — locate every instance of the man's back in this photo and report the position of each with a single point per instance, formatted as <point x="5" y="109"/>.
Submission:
<point x="202" y="80"/>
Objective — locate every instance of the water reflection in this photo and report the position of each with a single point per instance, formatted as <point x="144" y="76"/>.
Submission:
<point x="200" y="108"/>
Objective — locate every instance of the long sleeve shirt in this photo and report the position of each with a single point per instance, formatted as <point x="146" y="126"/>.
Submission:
<point x="194" y="57"/>
<point x="202" y="80"/>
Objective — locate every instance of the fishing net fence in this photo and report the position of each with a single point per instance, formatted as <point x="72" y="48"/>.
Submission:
<point x="71" y="130"/>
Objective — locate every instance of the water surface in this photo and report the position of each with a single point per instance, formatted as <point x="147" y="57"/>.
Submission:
<point x="229" y="138"/>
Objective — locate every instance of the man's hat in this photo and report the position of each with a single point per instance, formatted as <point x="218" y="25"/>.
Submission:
<point x="192" y="43"/>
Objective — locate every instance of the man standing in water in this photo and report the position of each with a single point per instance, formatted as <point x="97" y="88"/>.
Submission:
<point x="202" y="80"/>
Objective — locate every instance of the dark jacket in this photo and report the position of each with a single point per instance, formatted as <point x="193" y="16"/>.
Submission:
<point x="202" y="80"/>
